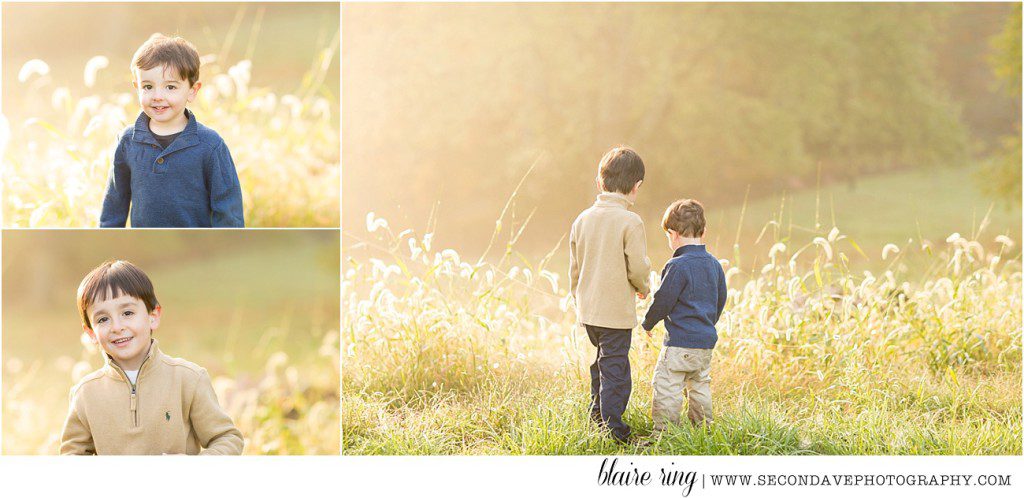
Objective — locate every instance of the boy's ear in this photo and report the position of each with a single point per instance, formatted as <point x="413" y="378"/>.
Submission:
<point x="194" y="90"/>
<point x="154" y="317"/>
<point x="636" y="187"/>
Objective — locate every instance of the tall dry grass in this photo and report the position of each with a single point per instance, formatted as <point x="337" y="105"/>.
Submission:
<point x="445" y="355"/>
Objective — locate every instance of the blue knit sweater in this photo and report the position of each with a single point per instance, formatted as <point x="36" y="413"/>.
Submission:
<point x="690" y="299"/>
<point x="191" y="183"/>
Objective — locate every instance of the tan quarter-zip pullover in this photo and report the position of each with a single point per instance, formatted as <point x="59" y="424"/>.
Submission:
<point x="171" y="409"/>
<point x="608" y="263"/>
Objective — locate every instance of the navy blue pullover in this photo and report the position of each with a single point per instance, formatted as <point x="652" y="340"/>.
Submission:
<point x="191" y="183"/>
<point x="690" y="299"/>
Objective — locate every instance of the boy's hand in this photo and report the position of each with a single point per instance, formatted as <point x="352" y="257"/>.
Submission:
<point x="641" y="295"/>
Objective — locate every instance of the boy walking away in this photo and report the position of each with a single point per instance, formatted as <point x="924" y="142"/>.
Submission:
<point x="608" y="267"/>
<point x="169" y="170"/>
<point x="690" y="300"/>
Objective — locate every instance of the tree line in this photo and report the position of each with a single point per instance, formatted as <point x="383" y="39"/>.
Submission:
<point x="455" y="103"/>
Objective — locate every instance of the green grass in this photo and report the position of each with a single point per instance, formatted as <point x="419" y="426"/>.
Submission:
<point x="550" y="417"/>
<point x="880" y="209"/>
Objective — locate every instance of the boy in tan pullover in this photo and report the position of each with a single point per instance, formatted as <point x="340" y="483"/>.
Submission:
<point x="142" y="402"/>
<point x="608" y="266"/>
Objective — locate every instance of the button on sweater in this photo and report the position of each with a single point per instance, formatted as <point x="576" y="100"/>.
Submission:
<point x="690" y="300"/>
<point x="190" y="183"/>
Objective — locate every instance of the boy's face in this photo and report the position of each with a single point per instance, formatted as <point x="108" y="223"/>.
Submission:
<point x="123" y="328"/>
<point x="163" y="94"/>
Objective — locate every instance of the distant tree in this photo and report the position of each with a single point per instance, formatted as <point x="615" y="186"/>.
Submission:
<point x="962" y="54"/>
<point x="1002" y="175"/>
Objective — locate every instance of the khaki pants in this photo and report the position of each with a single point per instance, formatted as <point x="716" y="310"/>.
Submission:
<point x="680" y="368"/>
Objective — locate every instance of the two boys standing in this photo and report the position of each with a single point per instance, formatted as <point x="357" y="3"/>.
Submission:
<point x="608" y="266"/>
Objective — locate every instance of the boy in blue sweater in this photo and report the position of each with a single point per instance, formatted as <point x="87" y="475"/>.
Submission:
<point x="690" y="300"/>
<point x="168" y="169"/>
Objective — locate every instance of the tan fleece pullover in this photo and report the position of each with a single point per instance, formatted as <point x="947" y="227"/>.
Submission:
<point x="171" y="409"/>
<point x="608" y="263"/>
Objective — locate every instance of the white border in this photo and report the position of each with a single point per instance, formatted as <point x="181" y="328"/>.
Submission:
<point x="472" y="476"/>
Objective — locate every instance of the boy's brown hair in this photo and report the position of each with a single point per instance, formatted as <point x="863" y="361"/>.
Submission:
<point x="176" y="53"/>
<point x="620" y="169"/>
<point x="113" y="279"/>
<point x="685" y="217"/>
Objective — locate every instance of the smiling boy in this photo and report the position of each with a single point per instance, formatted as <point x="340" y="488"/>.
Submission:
<point x="142" y="402"/>
<point x="168" y="169"/>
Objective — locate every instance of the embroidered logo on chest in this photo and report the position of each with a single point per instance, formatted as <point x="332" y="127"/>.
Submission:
<point x="167" y="415"/>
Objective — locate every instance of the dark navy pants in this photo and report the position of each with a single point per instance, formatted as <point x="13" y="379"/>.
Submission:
<point x="610" y="381"/>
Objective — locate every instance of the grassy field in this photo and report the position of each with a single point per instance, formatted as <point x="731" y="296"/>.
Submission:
<point x="269" y="338"/>
<point x="816" y="355"/>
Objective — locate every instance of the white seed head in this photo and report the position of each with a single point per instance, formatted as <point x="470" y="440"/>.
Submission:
<point x="825" y="247"/>
<point x="33" y="67"/>
<point x="1005" y="241"/>
<point x="92" y="68"/>
<point x="60" y="98"/>
<point x="373" y="223"/>
<point x="240" y="74"/>
<point x="889" y="249"/>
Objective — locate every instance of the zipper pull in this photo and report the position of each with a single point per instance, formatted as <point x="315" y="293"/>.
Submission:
<point x="135" y="409"/>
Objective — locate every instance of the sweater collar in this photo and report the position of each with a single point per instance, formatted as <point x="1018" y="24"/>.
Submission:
<point x="690" y="249"/>
<point x="613" y="199"/>
<point x="143" y="134"/>
<point x="118" y="372"/>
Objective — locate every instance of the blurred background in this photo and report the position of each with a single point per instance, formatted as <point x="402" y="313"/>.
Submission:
<point x="280" y="39"/>
<point x="270" y="79"/>
<point x="258" y="309"/>
<point x="889" y="121"/>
